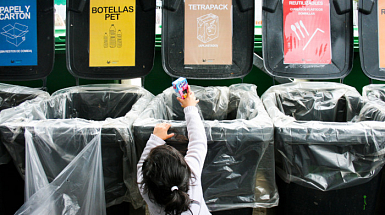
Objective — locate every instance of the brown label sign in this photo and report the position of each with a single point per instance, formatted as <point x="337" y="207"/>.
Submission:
<point x="208" y="32"/>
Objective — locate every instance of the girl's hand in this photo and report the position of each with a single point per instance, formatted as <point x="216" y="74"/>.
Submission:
<point x="190" y="99"/>
<point x="161" y="129"/>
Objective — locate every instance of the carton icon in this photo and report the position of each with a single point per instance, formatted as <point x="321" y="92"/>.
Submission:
<point x="208" y="27"/>
<point x="15" y="34"/>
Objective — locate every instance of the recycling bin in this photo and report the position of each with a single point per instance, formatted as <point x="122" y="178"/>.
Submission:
<point x="115" y="106"/>
<point x="101" y="45"/>
<point x="214" y="46"/>
<point x="376" y="93"/>
<point x="372" y="60"/>
<point x="327" y="155"/>
<point x="329" y="148"/>
<point x="11" y="184"/>
<point x="26" y="53"/>
<point x="239" y="167"/>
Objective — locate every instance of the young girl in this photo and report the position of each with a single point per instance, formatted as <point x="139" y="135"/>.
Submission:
<point x="169" y="182"/>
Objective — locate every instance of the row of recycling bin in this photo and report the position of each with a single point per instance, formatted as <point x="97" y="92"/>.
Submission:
<point x="321" y="136"/>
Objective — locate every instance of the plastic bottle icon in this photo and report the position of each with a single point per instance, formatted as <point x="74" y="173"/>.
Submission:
<point x="112" y="36"/>
<point x="119" y="36"/>
<point x="105" y="40"/>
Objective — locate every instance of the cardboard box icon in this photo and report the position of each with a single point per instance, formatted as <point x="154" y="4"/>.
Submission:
<point x="15" y="34"/>
<point x="208" y="27"/>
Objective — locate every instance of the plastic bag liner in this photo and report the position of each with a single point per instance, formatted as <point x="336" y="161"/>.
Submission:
<point x="78" y="188"/>
<point x="375" y="109"/>
<point x="374" y="92"/>
<point x="11" y="96"/>
<point x="239" y="166"/>
<point x="115" y="106"/>
<point x="322" y="139"/>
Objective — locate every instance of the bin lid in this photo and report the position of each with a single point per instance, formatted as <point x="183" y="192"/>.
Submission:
<point x="110" y="39"/>
<point x="208" y="39"/>
<point x="308" y="39"/>
<point x="372" y="38"/>
<point x="27" y="41"/>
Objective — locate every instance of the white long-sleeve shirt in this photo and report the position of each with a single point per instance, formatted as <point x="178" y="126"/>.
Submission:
<point x="195" y="157"/>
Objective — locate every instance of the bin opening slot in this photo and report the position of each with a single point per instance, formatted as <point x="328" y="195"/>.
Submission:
<point x="313" y="106"/>
<point x="99" y="105"/>
<point x="8" y="100"/>
<point x="209" y="109"/>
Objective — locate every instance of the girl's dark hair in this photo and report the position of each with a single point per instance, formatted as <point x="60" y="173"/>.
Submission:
<point x="164" y="168"/>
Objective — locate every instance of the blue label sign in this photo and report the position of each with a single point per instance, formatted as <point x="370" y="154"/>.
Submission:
<point x="18" y="33"/>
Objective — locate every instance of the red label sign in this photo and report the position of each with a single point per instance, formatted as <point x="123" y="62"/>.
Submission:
<point x="306" y="27"/>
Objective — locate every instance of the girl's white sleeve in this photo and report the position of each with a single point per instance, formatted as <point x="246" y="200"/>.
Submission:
<point x="197" y="147"/>
<point x="153" y="142"/>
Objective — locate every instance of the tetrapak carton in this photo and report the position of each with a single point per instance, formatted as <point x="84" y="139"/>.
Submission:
<point x="180" y="86"/>
<point x="208" y="27"/>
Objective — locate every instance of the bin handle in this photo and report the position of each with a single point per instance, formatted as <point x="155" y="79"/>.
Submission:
<point x="245" y="5"/>
<point x="147" y="5"/>
<point x="80" y="8"/>
<point x="171" y="5"/>
<point x="269" y="5"/>
<point x="365" y="6"/>
<point x="342" y="7"/>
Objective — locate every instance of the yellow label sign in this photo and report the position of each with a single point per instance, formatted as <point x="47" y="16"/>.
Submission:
<point x="112" y="33"/>
<point x="381" y="32"/>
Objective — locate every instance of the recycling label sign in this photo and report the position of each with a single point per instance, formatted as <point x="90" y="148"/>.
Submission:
<point x="112" y="33"/>
<point x="208" y="32"/>
<point x="306" y="32"/>
<point x="18" y="29"/>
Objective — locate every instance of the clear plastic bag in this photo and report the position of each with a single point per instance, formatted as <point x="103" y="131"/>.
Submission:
<point x="325" y="138"/>
<point x="115" y="106"/>
<point x="11" y="96"/>
<point x="78" y="188"/>
<point x="373" y="92"/>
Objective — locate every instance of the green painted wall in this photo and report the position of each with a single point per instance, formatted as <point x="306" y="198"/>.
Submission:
<point x="158" y="80"/>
